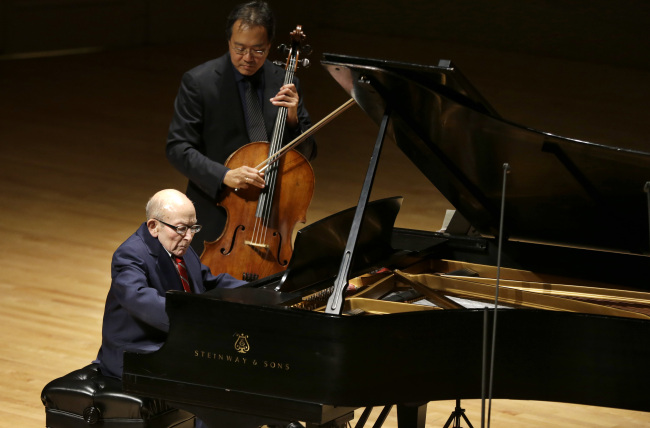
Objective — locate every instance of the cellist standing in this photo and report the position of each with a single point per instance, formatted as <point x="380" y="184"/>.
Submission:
<point x="213" y="116"/>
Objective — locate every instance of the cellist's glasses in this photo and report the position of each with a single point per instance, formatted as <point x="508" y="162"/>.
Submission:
<point x="255" y="52"/>
<point x="182" y="229"/>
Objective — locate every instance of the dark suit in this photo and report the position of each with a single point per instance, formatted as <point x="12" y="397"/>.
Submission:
<point x="134" y="316"/>
<point x="209" y="124"/>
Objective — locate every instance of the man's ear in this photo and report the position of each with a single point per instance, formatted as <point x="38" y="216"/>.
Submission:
<point x="152" y="225"/>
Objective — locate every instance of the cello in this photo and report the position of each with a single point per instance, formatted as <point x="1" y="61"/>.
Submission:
<point x="256" y="240"/>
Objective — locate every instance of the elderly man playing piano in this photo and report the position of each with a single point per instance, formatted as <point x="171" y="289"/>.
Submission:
<point x="155" y="259"/>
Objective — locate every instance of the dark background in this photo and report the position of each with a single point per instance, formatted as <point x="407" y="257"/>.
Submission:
<point x="104" y="74"/>
<point x="596" y="31"/>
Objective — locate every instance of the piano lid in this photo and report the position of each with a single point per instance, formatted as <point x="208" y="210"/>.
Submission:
<point x="559" y="191"/>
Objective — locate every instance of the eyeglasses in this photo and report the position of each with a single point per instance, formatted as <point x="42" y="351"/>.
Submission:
<point x="182" y="230"/>
<point x="255" y="52"/>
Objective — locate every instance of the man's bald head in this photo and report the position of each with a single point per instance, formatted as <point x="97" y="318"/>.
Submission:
<point x="165" y="202"/>
<point x="167" y="210"/>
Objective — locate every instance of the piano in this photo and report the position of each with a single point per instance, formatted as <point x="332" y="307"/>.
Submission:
<point x="368" y="314"/>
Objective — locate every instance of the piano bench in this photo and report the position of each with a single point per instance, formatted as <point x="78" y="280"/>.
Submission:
<point x="85" y="398"/>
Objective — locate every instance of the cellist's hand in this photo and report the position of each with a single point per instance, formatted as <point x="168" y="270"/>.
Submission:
<point x="288" y="97"/>
<point x="244" y="176"/>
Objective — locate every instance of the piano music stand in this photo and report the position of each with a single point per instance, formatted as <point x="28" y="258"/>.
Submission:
<point x="456" y="415"/>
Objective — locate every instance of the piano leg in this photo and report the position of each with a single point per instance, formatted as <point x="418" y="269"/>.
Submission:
<point x="412" y="415"/>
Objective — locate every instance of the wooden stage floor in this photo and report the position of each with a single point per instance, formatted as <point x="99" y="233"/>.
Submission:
<point x="82" y="148"/>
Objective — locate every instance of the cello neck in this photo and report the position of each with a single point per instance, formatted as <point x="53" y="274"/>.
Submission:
<point x="297" y="36"/>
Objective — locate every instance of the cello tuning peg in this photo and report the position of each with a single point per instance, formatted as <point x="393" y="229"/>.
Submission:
<point x="283" y="48"/>
<point x="278" y="63"/>
<point x="306" y="50"/>
<point x="305" y="63"/>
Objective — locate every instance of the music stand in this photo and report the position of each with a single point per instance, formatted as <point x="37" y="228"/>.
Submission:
<point x="456" y="415"/>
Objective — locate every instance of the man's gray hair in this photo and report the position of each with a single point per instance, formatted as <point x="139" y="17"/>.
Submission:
<point x="155" y="208"/>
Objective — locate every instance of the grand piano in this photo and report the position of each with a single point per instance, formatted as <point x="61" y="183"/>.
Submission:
<point x="368" y="314"/>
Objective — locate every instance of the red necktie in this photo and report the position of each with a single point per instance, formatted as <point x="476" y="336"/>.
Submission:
<point x="180" y="266"/>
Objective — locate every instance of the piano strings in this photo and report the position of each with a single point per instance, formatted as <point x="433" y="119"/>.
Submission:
<point x="445" y="284"/>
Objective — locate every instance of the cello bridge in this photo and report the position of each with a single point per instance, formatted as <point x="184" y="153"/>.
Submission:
<point x="258" y="245"/>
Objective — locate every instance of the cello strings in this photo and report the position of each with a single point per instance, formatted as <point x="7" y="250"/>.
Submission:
<point x="262" y="211"/>
<point x="271" y="177"/>
<point x="260" y="232"/>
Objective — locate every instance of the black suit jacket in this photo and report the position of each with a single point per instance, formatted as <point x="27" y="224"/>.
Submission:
<point x="209" y="125"/>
